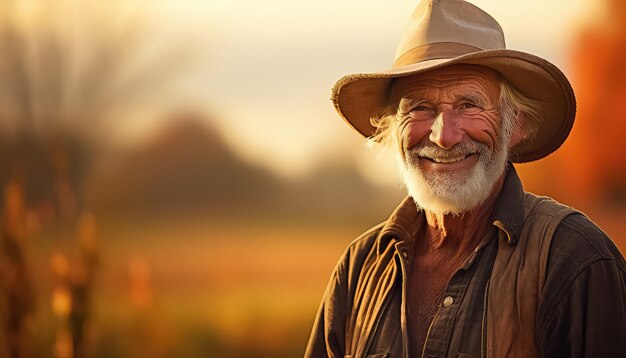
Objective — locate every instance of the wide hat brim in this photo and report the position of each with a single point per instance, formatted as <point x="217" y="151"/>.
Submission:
<point x="360" y="97"/>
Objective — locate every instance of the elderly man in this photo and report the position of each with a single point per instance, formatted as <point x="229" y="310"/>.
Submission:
<point x="469" y="265"/>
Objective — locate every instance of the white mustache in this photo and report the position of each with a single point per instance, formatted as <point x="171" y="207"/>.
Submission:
<point x="439" y="154"/>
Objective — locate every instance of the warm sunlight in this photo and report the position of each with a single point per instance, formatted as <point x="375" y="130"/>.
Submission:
<point x="175" y="182"/>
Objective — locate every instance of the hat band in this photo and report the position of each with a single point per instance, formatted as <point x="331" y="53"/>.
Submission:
<point x="434" y="51"/>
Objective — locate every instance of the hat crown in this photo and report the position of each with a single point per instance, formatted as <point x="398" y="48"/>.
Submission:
<point x="451" y="25"/>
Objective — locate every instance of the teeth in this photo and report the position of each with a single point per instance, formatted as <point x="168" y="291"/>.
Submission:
<point x="447" y="160"/>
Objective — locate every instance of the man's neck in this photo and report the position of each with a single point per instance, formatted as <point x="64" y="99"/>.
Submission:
<point x="461" y="231"/>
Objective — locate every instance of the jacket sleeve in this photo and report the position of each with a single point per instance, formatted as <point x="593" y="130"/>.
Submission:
<point x="328" y="334"/>
<point x="584" y="310"/>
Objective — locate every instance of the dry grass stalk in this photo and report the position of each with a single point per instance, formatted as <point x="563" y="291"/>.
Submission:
<point x="15" y="276"/>
<point x="71" y="296"/>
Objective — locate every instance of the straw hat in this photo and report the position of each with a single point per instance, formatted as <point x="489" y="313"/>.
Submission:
<point x="446" y="32"/>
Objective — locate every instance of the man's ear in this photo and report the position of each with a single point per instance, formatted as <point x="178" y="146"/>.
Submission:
<point x="518" y="132"/>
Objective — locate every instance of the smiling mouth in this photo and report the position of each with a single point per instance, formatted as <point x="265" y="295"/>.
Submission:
<point x="447" y="159"/>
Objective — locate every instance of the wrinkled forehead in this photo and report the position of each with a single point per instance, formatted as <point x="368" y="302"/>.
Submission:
<point x="452" y="80"/>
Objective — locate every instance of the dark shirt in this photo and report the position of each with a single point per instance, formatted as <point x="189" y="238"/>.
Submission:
<point x="581" y="313"/>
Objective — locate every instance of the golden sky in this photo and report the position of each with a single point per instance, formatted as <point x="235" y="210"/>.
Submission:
<point x="270" y="66"/>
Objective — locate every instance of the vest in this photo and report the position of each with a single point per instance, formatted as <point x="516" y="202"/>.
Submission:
<point x="519" y="272"/>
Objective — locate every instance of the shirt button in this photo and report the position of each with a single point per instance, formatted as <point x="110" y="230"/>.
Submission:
<point x="448" y="301"/>
<point x="405" y="254"/>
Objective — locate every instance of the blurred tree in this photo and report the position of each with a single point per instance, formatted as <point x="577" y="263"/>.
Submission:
<point x="589" y="168"/>
<point x="69" y="68"/>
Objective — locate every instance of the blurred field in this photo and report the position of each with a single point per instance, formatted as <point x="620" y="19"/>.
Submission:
<point x="211" y="288"/>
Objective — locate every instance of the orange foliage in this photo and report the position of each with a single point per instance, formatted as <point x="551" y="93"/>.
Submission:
<point x="589" y="168"/>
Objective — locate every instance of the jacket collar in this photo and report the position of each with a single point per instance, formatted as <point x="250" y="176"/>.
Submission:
<point x="508" y="215"/>
<point x="403" y="224"/>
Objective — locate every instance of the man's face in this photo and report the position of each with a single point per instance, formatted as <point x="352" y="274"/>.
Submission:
<point x="451" y="145"/>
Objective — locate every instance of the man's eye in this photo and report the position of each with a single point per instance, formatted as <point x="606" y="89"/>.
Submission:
<point x="420" y="109"/>
<point x="467" y="105"/>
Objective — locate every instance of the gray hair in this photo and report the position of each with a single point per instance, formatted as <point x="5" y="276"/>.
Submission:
<point x="511" y="102"/>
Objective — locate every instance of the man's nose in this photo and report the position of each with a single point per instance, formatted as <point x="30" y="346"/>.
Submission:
<point x="445" y="131"/>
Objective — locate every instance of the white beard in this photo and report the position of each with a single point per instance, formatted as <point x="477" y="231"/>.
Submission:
<point x="453" y="193"/>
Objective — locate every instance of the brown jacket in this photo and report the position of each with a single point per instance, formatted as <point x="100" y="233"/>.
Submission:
<point x="497" y="293"/>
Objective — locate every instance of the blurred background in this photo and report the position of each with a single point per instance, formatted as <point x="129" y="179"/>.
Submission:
<point x="175" y="183"/>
